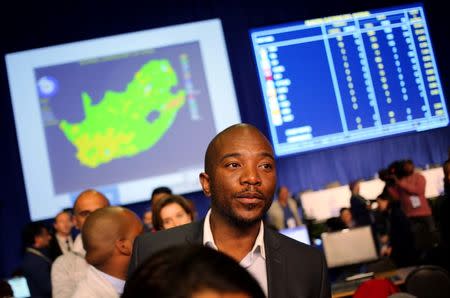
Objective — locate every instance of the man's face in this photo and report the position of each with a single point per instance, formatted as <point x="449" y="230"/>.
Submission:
<point x="408" y="168"/>
<point x="382" y="204"/>
<point x="43" y="239"/>
<point x="243" y="177"/>
<point x="63" y="223"/>
<point x="86" y="205"/>
<point x="283" y="194"/>
<point x="346" y="217"/>
<point x="147" y="218"/>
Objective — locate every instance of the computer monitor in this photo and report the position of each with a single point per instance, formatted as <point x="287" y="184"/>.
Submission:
<point x="372" y="73"/>
<point x="299" y="233"/>
<point x="19" y="286"/>
<point x="123" y="114"/>
<point x="349" y="247"/>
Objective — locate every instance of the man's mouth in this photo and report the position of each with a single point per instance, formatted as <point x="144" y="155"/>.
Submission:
<point x="250" y="197"/>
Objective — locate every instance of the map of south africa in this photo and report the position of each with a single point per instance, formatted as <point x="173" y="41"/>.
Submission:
<point x="121" y="123"/>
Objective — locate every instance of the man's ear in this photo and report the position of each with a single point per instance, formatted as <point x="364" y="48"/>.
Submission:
<point x="204" y="181"/>
<point x="124" y="246"/>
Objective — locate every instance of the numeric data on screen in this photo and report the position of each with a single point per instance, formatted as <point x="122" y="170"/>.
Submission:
<point x="348" y="78"/>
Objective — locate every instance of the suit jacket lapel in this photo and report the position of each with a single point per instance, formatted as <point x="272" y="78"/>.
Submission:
<point x="196" y="237"/>
<point x="275" y="265"/>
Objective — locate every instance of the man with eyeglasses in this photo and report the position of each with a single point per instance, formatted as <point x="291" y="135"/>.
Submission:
<point x="69" y="269"/>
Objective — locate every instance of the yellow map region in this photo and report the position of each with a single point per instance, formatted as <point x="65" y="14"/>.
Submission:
<point x="124" y="124"/>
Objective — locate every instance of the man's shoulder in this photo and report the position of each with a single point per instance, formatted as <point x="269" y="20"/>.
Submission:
<point x="149" y="243"/>
<point x="177" y="234"/>
<point x="69" y="263"/>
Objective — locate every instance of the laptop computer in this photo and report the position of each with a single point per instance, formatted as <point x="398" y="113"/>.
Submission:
<point x="349" y="247"/>
<point x="19" y="286"/>
<point x="299" y="233"/>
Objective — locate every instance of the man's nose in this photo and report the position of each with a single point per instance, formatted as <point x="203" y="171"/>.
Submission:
<point x="250" y="175"/>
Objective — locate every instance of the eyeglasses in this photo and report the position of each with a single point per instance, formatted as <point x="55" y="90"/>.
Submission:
<point x="84" y="213"/>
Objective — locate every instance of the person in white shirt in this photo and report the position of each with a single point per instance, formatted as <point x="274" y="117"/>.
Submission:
<point x="68" y="269"/>
<point x="284" y="211"/>
<point x="108" y="237"/>
<point x="240" y="178"/>
<point x="62" y="241"/>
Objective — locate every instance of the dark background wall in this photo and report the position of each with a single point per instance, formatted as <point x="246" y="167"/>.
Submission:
<point x="36" y="24"/>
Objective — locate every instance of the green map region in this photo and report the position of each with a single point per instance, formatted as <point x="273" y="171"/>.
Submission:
<point x="118" y="125"/>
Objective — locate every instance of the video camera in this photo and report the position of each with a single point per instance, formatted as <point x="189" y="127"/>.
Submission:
<point x="396" y="168"/>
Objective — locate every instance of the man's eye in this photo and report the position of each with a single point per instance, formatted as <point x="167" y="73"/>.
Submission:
<point x="267" y="166"/>
<point x="232" y="165"/>
<point x="84" y="213"/>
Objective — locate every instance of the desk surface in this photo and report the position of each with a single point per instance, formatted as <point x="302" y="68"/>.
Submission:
<point x="397" y="276"/>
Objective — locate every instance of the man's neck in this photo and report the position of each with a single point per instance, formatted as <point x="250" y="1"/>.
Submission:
<point x="38" y="246"/>
<point x="117" y="282"/>
<point x="112" y="269"/>
<point x="235" y="241"/>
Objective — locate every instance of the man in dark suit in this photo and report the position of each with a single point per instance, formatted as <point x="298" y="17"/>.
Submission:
<point x="240" y="179"/>
<point x="36" y="262"/>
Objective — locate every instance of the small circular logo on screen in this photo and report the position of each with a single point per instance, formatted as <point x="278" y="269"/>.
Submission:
<point x="47" y="86"/>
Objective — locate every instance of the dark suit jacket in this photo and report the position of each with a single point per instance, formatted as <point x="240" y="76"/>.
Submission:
<point x="54" y="249"/>
<point x="36" y="269"/>
<point x="293" y="268"/>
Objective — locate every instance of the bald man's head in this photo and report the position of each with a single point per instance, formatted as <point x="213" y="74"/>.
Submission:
<point x="226" y="136"/>
<point x="240" y="176"/>
<point x="87" y="202"/>
<point x="109" y="233"/>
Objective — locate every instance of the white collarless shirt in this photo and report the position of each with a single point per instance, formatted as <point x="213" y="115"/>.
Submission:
<point x="117" y="284"/>
<point x="254" y="261"/>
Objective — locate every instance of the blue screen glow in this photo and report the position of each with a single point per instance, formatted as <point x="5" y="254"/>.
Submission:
<point x="347" y="78"/>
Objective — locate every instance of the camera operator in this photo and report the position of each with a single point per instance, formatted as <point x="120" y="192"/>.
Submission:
<point x="408" y="187"/>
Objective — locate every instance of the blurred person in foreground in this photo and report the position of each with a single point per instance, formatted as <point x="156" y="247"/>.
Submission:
<point x="68" y="269"/>
<point x="240" y="179"/>
<point x="108" y="236"/>
<point x="191" y="271"/>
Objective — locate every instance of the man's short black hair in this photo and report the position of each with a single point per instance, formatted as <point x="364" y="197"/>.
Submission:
<point x="161" y="189"/>
<point x="353" y="184"/>
<point x="32" y="230"/>
<point x="184" y="270"/>
<point x="343" y="209"/>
